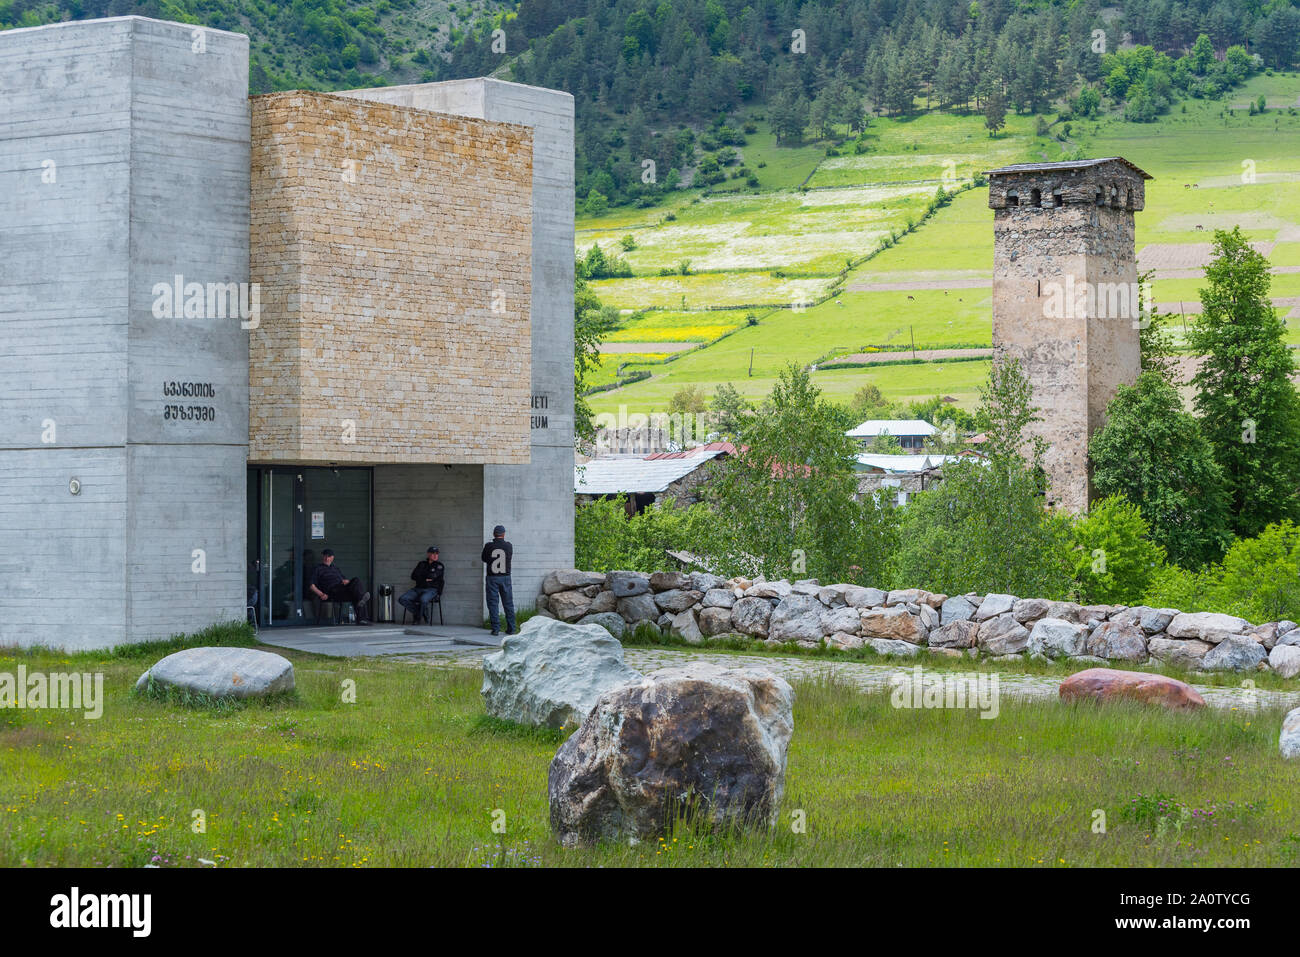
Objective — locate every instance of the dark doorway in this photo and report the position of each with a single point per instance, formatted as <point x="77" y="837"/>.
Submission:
<point x="294" y="513"/>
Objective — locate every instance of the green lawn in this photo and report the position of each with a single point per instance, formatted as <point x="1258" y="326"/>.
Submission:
<point x="412" y="773"/>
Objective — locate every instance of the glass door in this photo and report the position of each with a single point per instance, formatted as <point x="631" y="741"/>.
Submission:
<point x="293" y="514"/>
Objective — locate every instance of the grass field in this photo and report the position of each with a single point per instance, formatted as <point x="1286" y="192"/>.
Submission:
<point x="412" y="773"/>
<point x="1198" y="159"/>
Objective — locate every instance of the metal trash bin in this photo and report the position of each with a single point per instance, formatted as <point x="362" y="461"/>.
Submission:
<point x="385" y="610"/>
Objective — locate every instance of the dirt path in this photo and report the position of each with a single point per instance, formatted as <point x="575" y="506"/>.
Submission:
<point x="618" y="348"/>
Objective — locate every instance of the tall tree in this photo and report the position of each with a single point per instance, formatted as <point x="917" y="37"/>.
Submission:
<point x="1249" y="408"/>
<point x="1154" y="454"/>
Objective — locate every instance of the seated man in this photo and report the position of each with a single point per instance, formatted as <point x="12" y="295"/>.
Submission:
<point x="428" y="586"/>
<point x="328" y="584"/>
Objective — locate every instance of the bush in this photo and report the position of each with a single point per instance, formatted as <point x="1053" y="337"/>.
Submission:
<point x="606" y="539"/>
<point x="1115" y="557"/>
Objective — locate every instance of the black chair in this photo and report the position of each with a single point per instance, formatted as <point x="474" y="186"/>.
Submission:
<point x="436" y="600"/>
<point x="319" y="607"/>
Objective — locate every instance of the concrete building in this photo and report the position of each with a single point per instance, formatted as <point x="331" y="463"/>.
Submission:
<point x="240" y="331"/>
<point x="1066" y="298"/>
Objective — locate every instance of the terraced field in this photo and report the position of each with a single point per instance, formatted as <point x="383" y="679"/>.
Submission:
<point x="771" y="251"/>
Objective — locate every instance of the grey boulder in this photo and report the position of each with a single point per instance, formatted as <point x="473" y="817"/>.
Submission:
<point x="551" y="673"/>
<point x="570" y="579"/>
<point x="1289" y="740"/>
<point x="1178" y="652"/>
<point x="1121" y="640"/>
<point x="1234" y="653"/>
<point x="797" y="618"/>
<point x="956" y="608"/>
<point x="221" y="673"/>
<point x="627" y="584"/>
<point x="1003" y="635"/>
<point x="751" y="616"/>
<point x="640" y="607"/>
<point x="1205" y="626"/>
<point x="1285" y="660"/>
<point x="1057" y="638"/>
<point x="611" y="622"/>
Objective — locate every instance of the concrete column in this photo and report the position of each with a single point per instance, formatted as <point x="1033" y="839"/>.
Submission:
<point x="124" y="158"/>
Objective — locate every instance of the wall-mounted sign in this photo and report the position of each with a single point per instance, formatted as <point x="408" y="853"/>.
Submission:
<point x="541" y="403"/>
<point x="317" y="524"/>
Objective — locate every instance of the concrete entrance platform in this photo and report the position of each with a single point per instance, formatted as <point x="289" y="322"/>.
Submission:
<point x="352" y="641"/>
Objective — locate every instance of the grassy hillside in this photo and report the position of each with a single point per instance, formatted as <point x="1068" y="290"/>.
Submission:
<point x="931" y="288"/>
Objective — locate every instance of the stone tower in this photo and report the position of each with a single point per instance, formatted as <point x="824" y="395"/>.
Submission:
<point x="1066" y="298"/>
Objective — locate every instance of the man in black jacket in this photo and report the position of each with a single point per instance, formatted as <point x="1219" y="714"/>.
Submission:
<point x="328" y="584"/>
<point x="427" y="576"/>
<point x="497" y="555"/>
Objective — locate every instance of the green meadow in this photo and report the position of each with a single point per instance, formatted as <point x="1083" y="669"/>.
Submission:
<point x="415" y="774"/>
<point x="1212" y="169"/>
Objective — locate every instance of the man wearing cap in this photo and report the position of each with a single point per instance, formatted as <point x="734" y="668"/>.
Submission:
<point x="427" y="576"/>
<point x="328" y="584"/>
<point x="496" y="556"/>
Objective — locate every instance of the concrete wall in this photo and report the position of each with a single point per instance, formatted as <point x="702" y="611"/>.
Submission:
<point x="534" y="502"/>
<point x="421" y="505"/>
<point x="1063" y="238"/>
<point x="123" y="164"/>
<point x="393" y="248"/>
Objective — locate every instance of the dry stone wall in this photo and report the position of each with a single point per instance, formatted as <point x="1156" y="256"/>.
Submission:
<point x="909" y="622"/>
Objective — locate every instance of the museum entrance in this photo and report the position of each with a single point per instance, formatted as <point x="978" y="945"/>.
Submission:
<point x="293" y="514"/>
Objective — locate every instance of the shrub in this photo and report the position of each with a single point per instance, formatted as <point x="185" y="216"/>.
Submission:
<point x="1115" y="557"/>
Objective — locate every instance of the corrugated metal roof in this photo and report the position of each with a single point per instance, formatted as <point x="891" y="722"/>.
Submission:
<point x="895" y="427"/>
<point x="614" y="475"/>
<point x="1069" y="164"/>
<point x="904" y="463"/>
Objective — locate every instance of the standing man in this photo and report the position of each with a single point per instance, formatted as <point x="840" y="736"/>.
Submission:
<point x="328" y="584"/>
<point x="496" y="556"/>
<point x="428" y="577"/>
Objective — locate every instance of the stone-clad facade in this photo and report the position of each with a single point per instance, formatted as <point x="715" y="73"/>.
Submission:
<point x="393" y="249"/>
<point x="1065" y="298"/>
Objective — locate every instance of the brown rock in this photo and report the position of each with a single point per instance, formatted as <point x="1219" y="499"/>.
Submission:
<point x="895" y="623"/>
<point x="1107" y="684"/>
<point x="666" y="581"/>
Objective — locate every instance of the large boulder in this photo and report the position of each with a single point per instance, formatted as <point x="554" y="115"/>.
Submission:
<point x="1289" y="741"/>
<point x="611" y="622"/>
<point x="994" y="605"/>
<point x="896" y="624"/>
<point x="1002" y="635"/>
<point x="640" y="607"/>
<point x="684" y="626"/>
<point x="604" y="601"/>
<point x="627" y="584"/>
<point x="956" y="634"/>
<point x="956" y="608"/>
<point x="221" y="673"/>
<point x="1285" y="660"/>
<point x="797" y="618"/>
<point x="860" y="597"/>
<point x="894" y="649"/>
<point x="1107" y="684"/>
<point x="774" y="589"/>
<point x="570" y="579"/>
<point x="831" y="597"/>
<point x="701" y="737"/>
<point x="1057" y="638"/>
<point x="1205" y="626"/>
<point x="1029" y="610"/>
<point x="1118" y="640"/>
<point x="843" y="618"/>
<point x="670" y="581"/>
<point x="1234" y="653"/>
<point x="1067" y="611"/>
<point x="706" y="581"/>
<point x="1181" y="654"/>
<point x="677" y="599"/>
<point x="569" y="605"/>
<point x="751" y="616"/>
<point x="551" y="673"/>
<point x="715" y="620"/>
<point x="719" y="598"/>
